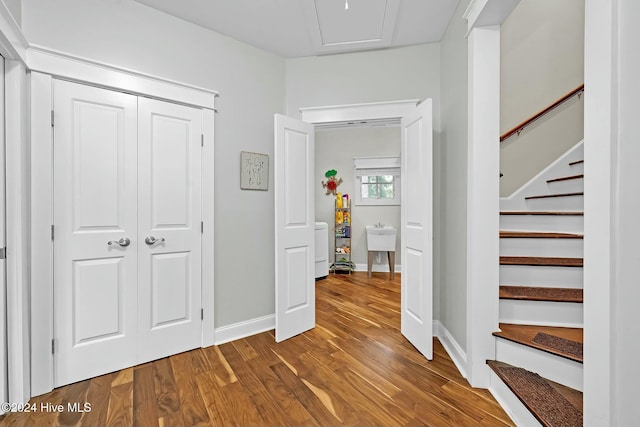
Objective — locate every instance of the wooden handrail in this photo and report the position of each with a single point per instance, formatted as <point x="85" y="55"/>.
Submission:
<point x="519" y="128"/>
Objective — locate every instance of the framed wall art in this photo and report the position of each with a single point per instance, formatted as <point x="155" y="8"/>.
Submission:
<point x="254" y="171"/>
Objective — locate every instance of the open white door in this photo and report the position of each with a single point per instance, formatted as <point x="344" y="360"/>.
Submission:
<point x="294" y="227"/>
<point x="417" y="230"/>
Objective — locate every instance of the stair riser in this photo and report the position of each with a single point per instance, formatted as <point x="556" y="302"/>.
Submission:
<point x="545" y="313"/>
<point x="511" y="404"/>
<point x="577" y="169"/>
<point x="550" y="223"/>
<point x="550" y="366"/>
<point x="565" y="203"/>
<point x="525" y="275"/>
<point x="570" y="248"/>
<point x="567" y="186"/>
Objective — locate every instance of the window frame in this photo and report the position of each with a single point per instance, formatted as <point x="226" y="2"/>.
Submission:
<point x="375" y="167"/>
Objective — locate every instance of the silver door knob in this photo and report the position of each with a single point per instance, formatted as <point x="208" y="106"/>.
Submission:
<point x="150" y="240"/>
<point x="124" y="242"/>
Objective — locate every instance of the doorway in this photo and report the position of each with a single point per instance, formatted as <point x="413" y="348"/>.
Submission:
<point x="127" y="236"/>
<point x="297" y="137"/>
<point x="336" y="149"/>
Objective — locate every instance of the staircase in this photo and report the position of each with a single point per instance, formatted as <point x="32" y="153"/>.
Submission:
<point x="537" y="374"/>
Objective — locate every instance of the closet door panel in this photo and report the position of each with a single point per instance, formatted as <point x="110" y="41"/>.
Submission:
<point x="95" y="219"/>
<point x="169" y="225"/>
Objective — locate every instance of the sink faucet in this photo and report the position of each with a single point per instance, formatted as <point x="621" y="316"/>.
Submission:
<point x="379" y="225"/>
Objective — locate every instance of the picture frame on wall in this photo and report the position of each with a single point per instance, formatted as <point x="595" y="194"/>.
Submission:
<point x="254" y="171"/>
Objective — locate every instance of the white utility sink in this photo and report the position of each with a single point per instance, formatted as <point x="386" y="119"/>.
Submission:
<point x="381" y="238"/>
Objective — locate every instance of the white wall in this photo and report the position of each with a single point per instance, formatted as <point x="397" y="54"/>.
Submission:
<point x="15" y="7"/>
<point x="382" y="75"/>
<point x="335" y="149"/>
<point x="542" y="58"/>
<point x="453" y="206"/>
<point x="352" y="78"/>
<point x="251" y="83"/>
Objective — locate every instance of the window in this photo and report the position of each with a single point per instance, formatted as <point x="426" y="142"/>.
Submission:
<point x="377" y="180"/>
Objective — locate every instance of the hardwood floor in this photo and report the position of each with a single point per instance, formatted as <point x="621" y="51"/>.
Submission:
<point x="354" y="368"/>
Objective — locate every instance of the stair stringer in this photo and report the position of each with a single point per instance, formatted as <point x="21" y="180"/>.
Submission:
<point x="538" y="184"/>
<point x="511" y="404"/>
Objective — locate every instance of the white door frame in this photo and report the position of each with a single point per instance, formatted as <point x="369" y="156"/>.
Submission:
<point x="4" y="383"/>
<point x="13" y="47"/>
<point x="391" y="112"/>
<point x="46" y="65"/>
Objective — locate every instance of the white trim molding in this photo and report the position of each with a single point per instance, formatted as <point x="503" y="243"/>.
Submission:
<point x="41" y="247"/>
<point x="13" y="44"/>
<point x="245" y="329"/>
<point x="483" y="13"/>
<point x="79" y="69"/>
<point x="483" y="201"/>
<point x="17" y="217"/>
<point x="452" y="347"/>
<point x="379" y="112"/>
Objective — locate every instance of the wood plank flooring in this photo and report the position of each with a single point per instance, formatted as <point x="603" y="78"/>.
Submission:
<point x="354" y="368"/>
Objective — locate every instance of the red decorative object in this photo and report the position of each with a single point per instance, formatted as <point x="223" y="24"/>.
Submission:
<point x="332" y="183"/>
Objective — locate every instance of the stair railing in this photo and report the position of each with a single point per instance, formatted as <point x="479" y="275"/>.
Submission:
<point x="520" y="127"/>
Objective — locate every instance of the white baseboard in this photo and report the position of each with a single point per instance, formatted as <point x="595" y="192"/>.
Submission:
<point x="452" y="347"/>
<point x="244" y="329"/>
<point x="378" y="268"/>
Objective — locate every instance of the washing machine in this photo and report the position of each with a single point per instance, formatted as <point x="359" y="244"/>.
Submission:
<point x="322" y="250"/>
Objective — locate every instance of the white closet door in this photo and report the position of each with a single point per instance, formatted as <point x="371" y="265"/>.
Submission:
<point x="169" y="229"/>
<point x="95" y="217"/>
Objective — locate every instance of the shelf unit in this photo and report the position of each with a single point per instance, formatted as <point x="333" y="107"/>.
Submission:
<point x="342" y="239"/>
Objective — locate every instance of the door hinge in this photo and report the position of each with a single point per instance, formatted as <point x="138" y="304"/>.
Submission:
<point x="201" y="227"/>
<point x="202" y="314"/>
<point x="202" y="140"/>
<point x="53" y="346"/>
<point x="3" y="253"/>
<point x="52" y="121"/>
<point x="53" y="232"/>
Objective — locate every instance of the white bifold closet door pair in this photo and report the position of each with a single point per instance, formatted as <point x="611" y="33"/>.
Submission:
<point x="127" y="218"/>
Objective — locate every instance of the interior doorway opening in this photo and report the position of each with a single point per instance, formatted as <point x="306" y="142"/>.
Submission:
<point x="336" y="150"/>
<point x="294" y="142"/>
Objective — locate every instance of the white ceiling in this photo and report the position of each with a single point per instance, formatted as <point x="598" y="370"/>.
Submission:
<point x="295" y="28"/>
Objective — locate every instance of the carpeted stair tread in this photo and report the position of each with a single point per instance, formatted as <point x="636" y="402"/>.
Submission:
<point x="531" y="293"/>
<point x="538" y="235"/>
<point x="541" y="261"/>
<point x="564" y="345"/>
<point x="539" y="395"/>
<point x="525" y="334"/>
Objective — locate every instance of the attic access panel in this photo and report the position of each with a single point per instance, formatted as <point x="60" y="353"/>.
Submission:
<point x="366" y="24"/>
